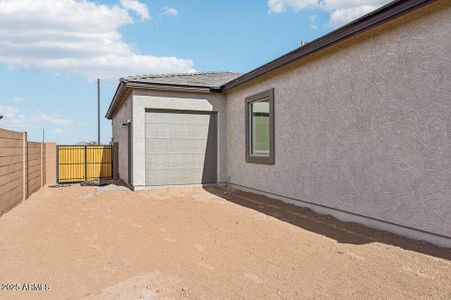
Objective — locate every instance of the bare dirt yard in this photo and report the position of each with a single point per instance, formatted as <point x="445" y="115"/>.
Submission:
<point x="201" y="244"/>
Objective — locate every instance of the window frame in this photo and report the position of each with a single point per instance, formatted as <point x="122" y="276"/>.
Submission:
<point x="270" y="159"/>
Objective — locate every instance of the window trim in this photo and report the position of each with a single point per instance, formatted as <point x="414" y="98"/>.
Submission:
<point x="267" y="160"/>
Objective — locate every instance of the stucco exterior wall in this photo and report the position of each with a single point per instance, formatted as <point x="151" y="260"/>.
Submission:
<point x="120" y="135"/>
<point x="143" y="99"/>
<point x="363" y="127"/>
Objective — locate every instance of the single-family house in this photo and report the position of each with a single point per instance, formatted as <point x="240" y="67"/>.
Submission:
<point x="356" y="124"/>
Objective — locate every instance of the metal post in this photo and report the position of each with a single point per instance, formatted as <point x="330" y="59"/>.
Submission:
<point x="98" y="111"/>
<point x="42" y="164"/>
<point x="25" y="167"/>
<point x="43" y="160"/>
<point x="57" y="164"/>
<point x="86" y="163"/>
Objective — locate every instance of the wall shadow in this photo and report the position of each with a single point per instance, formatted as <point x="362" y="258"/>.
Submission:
<point x="210" y="167"/>
<point x="342" y="232"/>
<point x="99" y="162"/>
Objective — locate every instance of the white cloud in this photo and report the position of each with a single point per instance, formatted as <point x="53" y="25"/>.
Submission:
<point x="15" y="120"/>
<point x="344" y="4"/>
<point x="169" y="11"/>
<point x="8" y="111"/>
<point x="279" y="6"/>
<point x="313" y="22"/>
<point x="76" y="36"/>
<point x="18" y="99"/>
<point x="341" y="11"/>
<point x="43" y="118"/>
<point x="138" y="7"/>
<point x="57" y="131"/>
<point x="342" y="16"/>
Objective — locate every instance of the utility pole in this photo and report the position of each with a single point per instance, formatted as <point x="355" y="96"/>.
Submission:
<point x="98" y="111"/>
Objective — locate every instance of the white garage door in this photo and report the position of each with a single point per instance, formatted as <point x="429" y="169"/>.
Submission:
<point x="181" y="147"/>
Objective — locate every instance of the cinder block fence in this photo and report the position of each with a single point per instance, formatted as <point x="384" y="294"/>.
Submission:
<point x="23" y="167"/>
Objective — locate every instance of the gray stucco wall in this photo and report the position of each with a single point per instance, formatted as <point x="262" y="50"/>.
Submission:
<point x="363" y="127"/>
<point x="143" y="99"/>
<point x="120" y="135"/>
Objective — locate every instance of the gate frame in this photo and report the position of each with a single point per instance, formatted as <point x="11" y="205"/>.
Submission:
<point x="85" y="163"/>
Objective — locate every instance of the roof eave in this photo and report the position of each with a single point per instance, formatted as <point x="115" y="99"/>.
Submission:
<point x="117" y="96"/>
<point x="173" y="87"/>
<point x="123" y="85"/>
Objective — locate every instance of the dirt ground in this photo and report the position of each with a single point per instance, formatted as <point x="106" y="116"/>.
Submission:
<point x="201" y="244"/>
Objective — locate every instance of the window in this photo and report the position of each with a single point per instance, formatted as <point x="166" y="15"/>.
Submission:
<point x="260" y="128"/>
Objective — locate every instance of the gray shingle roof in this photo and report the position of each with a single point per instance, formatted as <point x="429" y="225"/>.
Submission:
<point x="200" y="79"/>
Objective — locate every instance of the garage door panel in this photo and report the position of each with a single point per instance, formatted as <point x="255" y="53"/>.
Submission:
<point x="188" y="161"/>
<point x="180" y="131"/>
<point x="177" y="118"/>
<point x="175" y="146"/>
<point x="181" y="148"/>
<point x="176" y="177"/>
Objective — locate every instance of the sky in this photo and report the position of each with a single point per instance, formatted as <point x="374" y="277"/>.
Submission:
<point x="52" y="51"/>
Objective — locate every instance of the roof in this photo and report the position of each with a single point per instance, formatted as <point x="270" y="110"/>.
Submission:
<point x="213" y="80"/>
<point x="224" y="81"/>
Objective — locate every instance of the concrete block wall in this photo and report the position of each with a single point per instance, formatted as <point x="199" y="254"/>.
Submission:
<point x="35" y="169"/>
<point x="11" y="169"/>
<point x="22" y="167"/>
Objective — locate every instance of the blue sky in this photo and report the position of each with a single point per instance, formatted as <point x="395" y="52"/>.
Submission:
<point x="51" y="51"/>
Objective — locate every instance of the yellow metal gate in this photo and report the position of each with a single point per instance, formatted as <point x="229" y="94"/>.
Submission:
<point x="83" y="163"/>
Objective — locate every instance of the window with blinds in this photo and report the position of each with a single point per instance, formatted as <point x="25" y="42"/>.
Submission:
<point x="260" y="128"/>
<point x="259" y="111"/>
